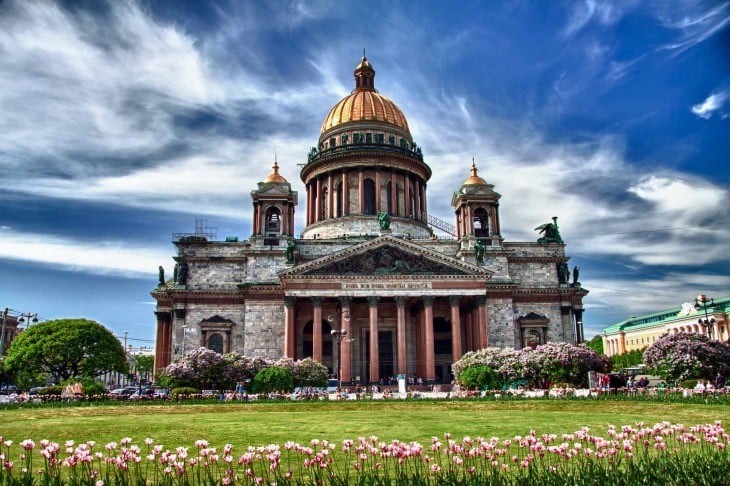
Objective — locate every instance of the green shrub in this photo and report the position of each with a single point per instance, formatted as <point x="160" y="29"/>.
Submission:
<point x="688" y="383"/>
<point x="183" y="391"/>
<point x="51" y="390"/>
<point x="478" y="378"/>
<point x="272" y="379"/>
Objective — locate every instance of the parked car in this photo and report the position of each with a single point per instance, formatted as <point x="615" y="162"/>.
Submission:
<point x="124" y="392"/>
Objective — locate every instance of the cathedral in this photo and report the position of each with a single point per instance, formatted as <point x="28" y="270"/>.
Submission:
<point x="368" y="288"/>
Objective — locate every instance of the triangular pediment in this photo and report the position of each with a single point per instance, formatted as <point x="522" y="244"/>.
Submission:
<point x="386" y="256"/>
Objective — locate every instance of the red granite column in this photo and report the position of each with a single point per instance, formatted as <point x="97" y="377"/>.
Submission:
<point x="430" y="359"/>
<point x="318" y="202"/>
<point x="374" y="375"/>
<point x="345" y="195"/>
<point x="402" y="358"/>
<point x="163" y="341"/>
<point x="407" y="184"/>
<point x="361" y="192"/>
<point x="317" y="329"/>
<point x="290" y="342"/>
<point x="377" y="191"/>
<point x="456" y="352"/>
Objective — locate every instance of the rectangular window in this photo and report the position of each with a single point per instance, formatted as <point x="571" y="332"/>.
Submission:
<point x="368" y="138"/>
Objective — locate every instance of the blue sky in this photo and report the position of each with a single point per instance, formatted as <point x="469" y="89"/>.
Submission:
<point x="123" y="122"/>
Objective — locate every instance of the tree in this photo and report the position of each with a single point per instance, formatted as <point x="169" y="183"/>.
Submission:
<point x="596" y="344"/>
<point x="143" y="365"/>
<point x="677" y="357"/>
<point x="628" y="359"/>
<point x="65" y="348"/>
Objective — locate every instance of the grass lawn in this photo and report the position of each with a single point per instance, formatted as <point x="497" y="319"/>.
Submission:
<point x="245" y="424"/>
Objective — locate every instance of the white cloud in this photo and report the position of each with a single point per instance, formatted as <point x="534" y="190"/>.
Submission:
<point x="694" y="27"/>
<point x="711" y="104"/>
<point x="96" y="257"/>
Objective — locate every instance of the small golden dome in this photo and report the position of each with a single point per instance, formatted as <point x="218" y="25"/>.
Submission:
<point x="274" y="176"/>
<point x="365" y="103"/>
<point x="474" y="179"/>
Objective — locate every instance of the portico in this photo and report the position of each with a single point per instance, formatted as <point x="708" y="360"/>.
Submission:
<point x="405" y="310"/>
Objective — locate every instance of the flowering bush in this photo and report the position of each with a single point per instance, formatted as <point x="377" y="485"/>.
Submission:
<point x="661" y="454"/>
<point x="677" y="357"/>
<point x="205" y="369"/>
<point x="557" y="362"/>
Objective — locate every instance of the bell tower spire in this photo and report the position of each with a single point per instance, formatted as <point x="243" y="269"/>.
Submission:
<point x="364" y="75"/>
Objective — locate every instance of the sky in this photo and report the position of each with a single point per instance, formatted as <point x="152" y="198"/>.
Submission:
<point x="122" y="122"/>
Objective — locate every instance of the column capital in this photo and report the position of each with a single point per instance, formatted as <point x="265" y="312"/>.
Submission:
<point x="317" y="301"/>
<point x="290" y="301"/>
<point x="427" y="300"/>
<point x="373" y="300"/>
<point x="345" y="301"/>
<point x="400" y="301"/>
<point x="480" y="300"/>
<point x="454" y="300"/>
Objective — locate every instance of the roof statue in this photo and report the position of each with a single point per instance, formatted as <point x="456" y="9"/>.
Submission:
<point x="551" y="232"/>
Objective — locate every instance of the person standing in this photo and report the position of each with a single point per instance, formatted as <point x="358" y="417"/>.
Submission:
<point x="719" y="381"/>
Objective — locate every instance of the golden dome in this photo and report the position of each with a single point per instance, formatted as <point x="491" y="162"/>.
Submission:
<point x="365" y="103"/>
<point x="274" y="176"/>
<point x="474" y="179"/>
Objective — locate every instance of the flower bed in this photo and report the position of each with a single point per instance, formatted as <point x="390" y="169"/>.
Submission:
<point x="660" y="454"/>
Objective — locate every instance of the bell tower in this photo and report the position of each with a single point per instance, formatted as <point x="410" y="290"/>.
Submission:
<point x="476" y="207"/>
<point x="273" y="209"/>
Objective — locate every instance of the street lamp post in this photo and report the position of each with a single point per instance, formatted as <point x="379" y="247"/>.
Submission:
<point x="703" y="302"/>
<point x="23" y="317"/>
<point x="337" y="335"/>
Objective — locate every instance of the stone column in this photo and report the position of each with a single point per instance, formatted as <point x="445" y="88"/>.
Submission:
<point x="374" y="375"/>
<point x="407" y="191"/>
<point x="430" y="358"/>
<point x="309" y="204"/>
<point x="361" y="191"/>
<point x="377" y="191"/>
<point x="345" y="195"/>
<point x="394" y="194"/>
<point x="330" y="197"/>
<point x="346" y="343"/>
<point x="163" y="341"/>
<point x="456" y="351"/>
<point x="318" y="201"/>
<point x="290" y="339"/>
<point x="417" y="189"/>
<point x="317" y="329"/>
<point x="400" y="303"/>
<point x="481" y="320"/>
<point x="419" y="344"/>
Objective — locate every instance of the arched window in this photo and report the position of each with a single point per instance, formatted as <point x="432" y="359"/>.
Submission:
<point x="340" y="198"/>
<point x="273" y="221"/>
<point x="215" y="343"/>
<point x="324" y="205"/>
<point x="307" y="341"/>
<point x="481" y="223"/>
<point x="389" y="197"/>
<point x="369" y="197"/>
